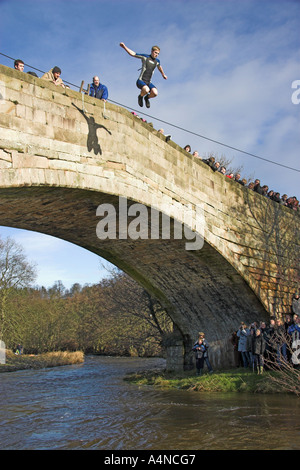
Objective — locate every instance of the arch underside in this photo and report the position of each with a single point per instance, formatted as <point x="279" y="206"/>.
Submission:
<point x="199" y="288"/>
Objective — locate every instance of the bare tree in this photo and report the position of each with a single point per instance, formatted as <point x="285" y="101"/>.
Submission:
<point x="15" y="272"/>
<point x="283" y="358"/>
<point x="134" y="301"/>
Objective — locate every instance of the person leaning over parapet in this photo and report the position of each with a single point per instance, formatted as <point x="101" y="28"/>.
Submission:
<point x="19" y="65"/>
<point x="54" y="76"/>
<point x="196" y="154"/>
<point x="216" y="166"/>
<point x="257" y="187"/>
<point x="167" y="136"/>
<point x="98" y="90"/>
<point x="210" y="162"/>
<point x="33" y="74"/>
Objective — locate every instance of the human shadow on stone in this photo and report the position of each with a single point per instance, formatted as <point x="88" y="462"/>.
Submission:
<point x="92" y="140"/>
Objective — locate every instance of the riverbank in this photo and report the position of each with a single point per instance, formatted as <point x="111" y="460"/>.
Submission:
<point x="233" y="380"/>
<point x="15" y="362"/>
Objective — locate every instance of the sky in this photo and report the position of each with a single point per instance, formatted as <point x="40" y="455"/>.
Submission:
<point x="231" y="67"/>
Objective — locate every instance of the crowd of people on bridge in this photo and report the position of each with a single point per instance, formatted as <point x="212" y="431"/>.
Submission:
<point x="291" y="202"/>
<point x="100" y="91"/>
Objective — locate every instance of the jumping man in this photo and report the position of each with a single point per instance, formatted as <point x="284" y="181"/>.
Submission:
<point x="149" y="63"/>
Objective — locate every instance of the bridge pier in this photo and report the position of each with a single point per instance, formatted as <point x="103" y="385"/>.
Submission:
<point x="179" y="355"/>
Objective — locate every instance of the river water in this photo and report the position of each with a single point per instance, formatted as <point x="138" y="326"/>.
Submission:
<point x="89" y="406"/>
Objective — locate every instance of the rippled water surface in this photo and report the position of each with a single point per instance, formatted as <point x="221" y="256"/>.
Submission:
<point x="89" y="406"/>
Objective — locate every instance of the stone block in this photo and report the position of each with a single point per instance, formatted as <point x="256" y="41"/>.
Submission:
<point x="5" y="155"/>
<point x="20" y="160"/>
<point x="5" y="164"/>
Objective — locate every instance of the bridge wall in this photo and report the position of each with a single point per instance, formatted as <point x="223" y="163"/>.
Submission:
<point x="60" y="158"/>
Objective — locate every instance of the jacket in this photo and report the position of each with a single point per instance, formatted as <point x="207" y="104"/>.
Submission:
<point x="242" y="335"/>
<point x="296" y="305"/>
<point x="100" y="92"/>
<point x="50" y="77"/>
<point x="294" y="328"/>
<point x="258" y="344"/>
<point x="203" y="352"/>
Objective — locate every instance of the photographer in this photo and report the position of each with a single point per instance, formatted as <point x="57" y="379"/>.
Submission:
<point x="242" y="334"/>
<point x="201" y="353"/>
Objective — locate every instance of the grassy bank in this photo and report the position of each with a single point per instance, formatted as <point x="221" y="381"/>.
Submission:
<point x="233" y="380"/>
<point x="52" y="359"/>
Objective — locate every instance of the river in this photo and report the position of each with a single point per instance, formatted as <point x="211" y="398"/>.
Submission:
<point x="89" y="406"/>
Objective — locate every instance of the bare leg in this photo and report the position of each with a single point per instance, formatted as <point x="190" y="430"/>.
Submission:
<point x="145" y="90"/>
<point x="153" y="93"/>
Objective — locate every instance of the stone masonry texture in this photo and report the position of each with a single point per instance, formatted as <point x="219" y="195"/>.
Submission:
<point x="61" y="159"/>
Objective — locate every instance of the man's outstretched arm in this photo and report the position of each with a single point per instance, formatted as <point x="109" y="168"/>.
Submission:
<point x="129" y="51"/>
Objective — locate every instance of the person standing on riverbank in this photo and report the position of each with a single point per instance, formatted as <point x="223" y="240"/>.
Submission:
<point x="242" y="334"/>
<point x="201" y="352"/>
<point x="257" y="350"/>
<point x="296" y="304"/>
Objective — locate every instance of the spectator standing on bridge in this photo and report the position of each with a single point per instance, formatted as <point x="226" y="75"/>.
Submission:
<point x="167" y="136"/>
<point x="54" y="76"/>
<point x="257" y="187"/>
<point x="196" y="154"/>
<point x="210" y="162"/>
<point x="149" y="64"/>
<point x="216" y="166"/>
<point x="98" y="90"/>
<point x="19" y="65"/>
<point x="33" y="74"/>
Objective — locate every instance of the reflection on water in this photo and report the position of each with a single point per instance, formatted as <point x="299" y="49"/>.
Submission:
<point x="89" y="406"/>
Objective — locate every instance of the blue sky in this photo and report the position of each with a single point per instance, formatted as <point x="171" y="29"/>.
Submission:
<point x="230" y="67"/>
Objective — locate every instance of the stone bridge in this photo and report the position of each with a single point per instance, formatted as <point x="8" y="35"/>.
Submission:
<point x="62" y="158"/>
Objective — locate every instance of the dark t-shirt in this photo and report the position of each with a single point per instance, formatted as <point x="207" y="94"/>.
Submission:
<point x="148" y="66"/>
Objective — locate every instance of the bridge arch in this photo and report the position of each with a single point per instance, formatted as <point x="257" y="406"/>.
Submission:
<point x="61" y="159"/>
